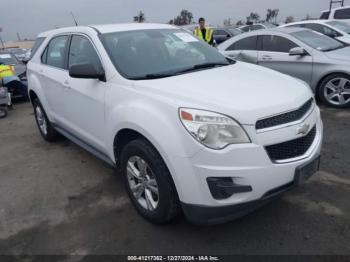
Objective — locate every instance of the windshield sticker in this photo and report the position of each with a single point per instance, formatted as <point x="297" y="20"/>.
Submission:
<point x="5" y="56"/>
<point x="186" y="37"/>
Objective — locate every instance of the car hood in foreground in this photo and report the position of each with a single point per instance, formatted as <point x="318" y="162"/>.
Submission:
<point x="245" y="92"/>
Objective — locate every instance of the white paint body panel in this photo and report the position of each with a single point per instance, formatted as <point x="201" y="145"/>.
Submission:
<point x="96" y="111"/>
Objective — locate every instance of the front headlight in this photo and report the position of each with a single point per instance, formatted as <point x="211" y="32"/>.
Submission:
<point x="212" y="129"/>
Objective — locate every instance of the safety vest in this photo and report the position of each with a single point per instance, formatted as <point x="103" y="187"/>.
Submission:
<point x="6" y="71"/>
<point x="208" y="35"/>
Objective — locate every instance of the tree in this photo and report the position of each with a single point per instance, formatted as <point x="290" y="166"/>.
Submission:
<point x="228" y="22"/>
<point x="140" y="18"/>
<point x="308" y="17"/>
<point x="239" y="23"/>
<point x="289" y="19"/>
<point x="269" y="15"/>
<point x="185" y="18"/>
<point x="272" y="14"/>
<point x="253" y="18"/>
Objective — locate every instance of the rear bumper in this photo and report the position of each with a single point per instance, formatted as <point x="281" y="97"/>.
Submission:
<point x="209" y="215"/>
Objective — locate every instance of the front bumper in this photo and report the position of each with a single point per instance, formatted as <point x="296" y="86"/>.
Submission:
<point x="247" y="164"/>
<point x="204" y="215"/>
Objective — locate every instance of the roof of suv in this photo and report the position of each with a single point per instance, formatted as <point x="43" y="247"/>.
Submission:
<point x="336" y="8"/>
<point x="109" y="28"/>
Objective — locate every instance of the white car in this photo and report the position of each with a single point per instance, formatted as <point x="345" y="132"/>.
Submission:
<point x="339" y="13"/>
<point x="332" y="28"/>
<point x="190" y="129"/>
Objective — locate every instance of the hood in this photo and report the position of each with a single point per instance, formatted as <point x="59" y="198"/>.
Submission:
<point x="339" y="54"/>
<point x="244" y="91"/>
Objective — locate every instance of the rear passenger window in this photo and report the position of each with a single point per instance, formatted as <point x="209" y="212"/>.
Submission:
<point x="54" y="55"/>
<point x="248" y="43"/>
<point x="325" y="15"/>
<point x="342" y="14"/>
<point x="273" y="43"/>
<point x="83" y="52"/>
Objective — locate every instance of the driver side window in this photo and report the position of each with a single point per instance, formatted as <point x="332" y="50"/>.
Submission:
<point x="273" y="43"/>
<point x="83" y="52"/>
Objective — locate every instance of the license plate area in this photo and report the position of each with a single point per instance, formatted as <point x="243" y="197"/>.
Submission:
<point x="304" y="172"/>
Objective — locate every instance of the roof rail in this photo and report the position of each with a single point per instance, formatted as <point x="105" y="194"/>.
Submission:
<point x="333" y="2"/>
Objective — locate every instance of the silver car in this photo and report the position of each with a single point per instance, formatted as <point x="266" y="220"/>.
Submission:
<point x="320" y="61"/>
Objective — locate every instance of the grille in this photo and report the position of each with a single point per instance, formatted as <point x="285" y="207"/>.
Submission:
<point x="291" y="149"/>
<point x="284" y="118"/>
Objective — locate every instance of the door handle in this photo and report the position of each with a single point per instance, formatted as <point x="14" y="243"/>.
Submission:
<point x="267" y="57"/>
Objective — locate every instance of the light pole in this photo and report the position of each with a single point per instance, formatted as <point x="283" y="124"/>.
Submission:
<point x="2" y="42"/>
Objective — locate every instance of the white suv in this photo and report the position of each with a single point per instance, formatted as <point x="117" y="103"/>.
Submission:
<point x="190" y="129"/>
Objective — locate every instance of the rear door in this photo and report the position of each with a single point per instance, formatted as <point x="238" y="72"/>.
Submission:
<point x="53" y="73"/>
<point x="244" y="49"/>
<point x="274" y="53"/>
<point x="83" y="99"/>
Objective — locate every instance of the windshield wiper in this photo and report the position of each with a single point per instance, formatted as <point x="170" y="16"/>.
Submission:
<point x="202" y="66"/>
<point x="186" y="70"/>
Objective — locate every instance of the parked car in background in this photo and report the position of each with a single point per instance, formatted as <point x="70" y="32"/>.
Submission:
<point x="340" y="13"/>
<point x="254" y="27"/>
<point x="320" y="61"/>
<point x="20" y="53"/>
<point x="189" y="128"/>
<point x="332" y="28"/>
<point x="222" y="34"/>
<point x="19" y="84"/>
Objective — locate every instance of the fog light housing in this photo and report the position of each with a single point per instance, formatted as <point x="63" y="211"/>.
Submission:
<point x="224" y="187"/>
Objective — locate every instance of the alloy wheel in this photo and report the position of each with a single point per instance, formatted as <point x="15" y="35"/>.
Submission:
<point x="337" y="91"/>
<point x="142" y="183"/>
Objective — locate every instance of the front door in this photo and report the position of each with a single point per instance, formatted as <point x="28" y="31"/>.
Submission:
<point x="83" y="108"/>
<point x="274" y="53"/>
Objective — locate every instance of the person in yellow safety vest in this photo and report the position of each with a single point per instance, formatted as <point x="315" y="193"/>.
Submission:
<point x="204" y="33"/>
<point x="7" y="74"/>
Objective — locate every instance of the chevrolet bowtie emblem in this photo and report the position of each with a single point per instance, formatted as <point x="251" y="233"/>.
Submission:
<point x="303" y="129"/>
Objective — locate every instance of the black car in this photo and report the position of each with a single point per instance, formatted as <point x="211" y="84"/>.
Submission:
<point x="222" y="34"/>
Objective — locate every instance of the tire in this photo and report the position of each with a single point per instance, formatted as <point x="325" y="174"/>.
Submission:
<point x="43" y="123"/>
<point x="334" y="91"/>
<point x="140" y="155"/>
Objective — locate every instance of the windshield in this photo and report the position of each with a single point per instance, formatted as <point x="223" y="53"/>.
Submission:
<point x="268" y="25"/>
<point x="318" y="41"/>
<point x="8" y="59"/>
<point x="146" y="54"/>
<point x="235" y="31"/>
<point x="340" y="25"/>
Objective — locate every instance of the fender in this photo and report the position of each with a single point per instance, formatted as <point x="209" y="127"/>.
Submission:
<point x="35" y="86"/>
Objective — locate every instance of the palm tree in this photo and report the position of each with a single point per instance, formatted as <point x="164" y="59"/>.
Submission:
<point x="140" y="18"/>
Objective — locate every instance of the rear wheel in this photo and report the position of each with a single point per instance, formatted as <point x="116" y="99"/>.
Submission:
<point x="148" y="182"/>
<point x="335" y="90"/>
<point x="44" y="124"/>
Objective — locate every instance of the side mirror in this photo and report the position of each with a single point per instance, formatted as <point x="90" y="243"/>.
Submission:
<point x="298" y="51"/>
<point x="87" y="71"/>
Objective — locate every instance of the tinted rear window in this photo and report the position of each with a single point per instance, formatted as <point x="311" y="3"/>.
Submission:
<point x="342" y="14"/>
<point x="248" y="43"/>
<point x="325" y="15"/>
<point x="36" y="45"/>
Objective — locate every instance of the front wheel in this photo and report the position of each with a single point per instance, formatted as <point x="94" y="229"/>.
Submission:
<point x="335" y="91"/>
<point x="148" y="182"/>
